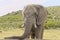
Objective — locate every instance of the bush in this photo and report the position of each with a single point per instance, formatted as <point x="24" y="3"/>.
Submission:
<point x="50" y="24"/>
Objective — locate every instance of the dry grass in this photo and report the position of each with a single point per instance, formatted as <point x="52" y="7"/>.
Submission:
<point x="51" y="34"/>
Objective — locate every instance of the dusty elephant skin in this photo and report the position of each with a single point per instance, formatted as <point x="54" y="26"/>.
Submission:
<point x="34" y="16"/>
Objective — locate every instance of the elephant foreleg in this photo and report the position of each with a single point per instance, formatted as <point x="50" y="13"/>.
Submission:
<point x="39" y="32"/>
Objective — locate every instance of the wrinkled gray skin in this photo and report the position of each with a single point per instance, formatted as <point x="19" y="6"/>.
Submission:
<point x="34" y="16"/>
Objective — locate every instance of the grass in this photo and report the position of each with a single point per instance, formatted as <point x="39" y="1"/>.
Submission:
<point x="48" y="34"/>
<point x="14" y="32"/>
<point x="52" y="34"/>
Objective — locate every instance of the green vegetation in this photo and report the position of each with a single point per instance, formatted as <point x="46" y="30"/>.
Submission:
<point x="11" y="20"/>
<point x="53" y="18"/>
<point x="15" y="19"/>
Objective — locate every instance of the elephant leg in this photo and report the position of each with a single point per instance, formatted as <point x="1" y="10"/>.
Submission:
<point x="39" y="32"/>
<point x="32" y="35"/>
<point x="33" y="32"/>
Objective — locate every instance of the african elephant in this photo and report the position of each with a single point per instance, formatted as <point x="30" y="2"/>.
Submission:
<point x="34" y="19"/>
